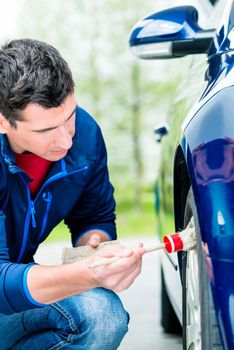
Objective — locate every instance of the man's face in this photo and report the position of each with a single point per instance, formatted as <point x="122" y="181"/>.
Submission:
<point x="47" y="133"/>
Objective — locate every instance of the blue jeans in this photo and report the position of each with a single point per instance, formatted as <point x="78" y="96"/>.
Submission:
<point x="94" y="320"/>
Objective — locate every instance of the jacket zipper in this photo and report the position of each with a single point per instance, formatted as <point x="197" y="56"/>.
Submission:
<point x="48" y="199"/>
<point x="34" y="224"/>
<point x="31" y="210"/>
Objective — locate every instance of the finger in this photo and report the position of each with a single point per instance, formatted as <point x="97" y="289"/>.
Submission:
<point x="120" y="251"/>
<point x="126" y="282"/>
<point x="94" y="240"/>
<point x="110" y="264"/>
<point x="115" y="281"/>
<point x="125" y="264"/>
<point x="112" y="276"/>
<point x="139" y="252"/>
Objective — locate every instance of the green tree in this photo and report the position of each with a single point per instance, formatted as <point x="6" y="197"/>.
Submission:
<point x="127" y="96"/>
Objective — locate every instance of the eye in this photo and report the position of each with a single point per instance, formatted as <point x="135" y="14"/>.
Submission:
<point x="43" y="131"/>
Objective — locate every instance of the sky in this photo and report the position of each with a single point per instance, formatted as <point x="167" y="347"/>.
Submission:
<point x="9" y="16"/>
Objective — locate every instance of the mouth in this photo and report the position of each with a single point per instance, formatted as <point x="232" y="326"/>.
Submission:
<point x="59" y="152"/>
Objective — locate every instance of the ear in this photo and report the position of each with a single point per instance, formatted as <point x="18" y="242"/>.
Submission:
<point x="4" y="124"/>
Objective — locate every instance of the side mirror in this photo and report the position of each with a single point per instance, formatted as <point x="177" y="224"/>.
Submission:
<point x="169" y="34"/>
<point x="160" y="131"/>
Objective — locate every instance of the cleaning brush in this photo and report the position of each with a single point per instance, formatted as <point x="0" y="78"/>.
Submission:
<point x="183" y="240"/>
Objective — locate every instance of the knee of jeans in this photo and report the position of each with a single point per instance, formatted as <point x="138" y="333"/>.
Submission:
<point x="98" y="313"/>
<point x="105" y="311"/>
<point x="98" y="309"/>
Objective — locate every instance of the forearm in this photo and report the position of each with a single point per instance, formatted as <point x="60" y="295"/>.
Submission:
<point x="48" y="284"/>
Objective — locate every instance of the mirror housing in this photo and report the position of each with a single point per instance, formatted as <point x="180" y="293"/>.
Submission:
<point x="160" y="131"/>
<point x="169" y="34"/>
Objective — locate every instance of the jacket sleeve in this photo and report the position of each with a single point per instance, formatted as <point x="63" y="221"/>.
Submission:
<point x="96" y="207"/>
<point x="13" y="286"/>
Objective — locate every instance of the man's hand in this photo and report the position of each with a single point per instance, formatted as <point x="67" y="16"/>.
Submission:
<point x="48" y="284"/>
<point x="119" y="275"/>
<point x="93" y="238"/>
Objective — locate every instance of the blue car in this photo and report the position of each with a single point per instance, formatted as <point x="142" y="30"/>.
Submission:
<point x="196" y="179"/>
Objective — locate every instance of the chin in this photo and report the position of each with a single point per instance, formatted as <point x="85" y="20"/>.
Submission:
<point x="55" y="157"/>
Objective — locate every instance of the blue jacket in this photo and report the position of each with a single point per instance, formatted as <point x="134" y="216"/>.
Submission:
<point x="76" y="190"/>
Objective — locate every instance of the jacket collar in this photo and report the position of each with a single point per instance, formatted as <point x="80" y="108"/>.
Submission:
<point x="8" y="155"/>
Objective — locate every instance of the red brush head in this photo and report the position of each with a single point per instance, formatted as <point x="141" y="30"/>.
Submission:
<point x="173" y="243"/>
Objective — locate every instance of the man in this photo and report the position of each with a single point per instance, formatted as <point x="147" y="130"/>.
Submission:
<point x="53" y="166"/>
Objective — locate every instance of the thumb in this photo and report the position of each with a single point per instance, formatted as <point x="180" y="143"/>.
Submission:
<point x="94" y="240"/>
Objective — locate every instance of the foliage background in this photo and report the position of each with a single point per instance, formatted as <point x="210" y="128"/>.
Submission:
<point x="128" y="97"/>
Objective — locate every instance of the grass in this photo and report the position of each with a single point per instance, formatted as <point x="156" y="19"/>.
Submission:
<point x="130" y="222"/>
<point x="133" y="222"/>
<point x="166" y="224"/>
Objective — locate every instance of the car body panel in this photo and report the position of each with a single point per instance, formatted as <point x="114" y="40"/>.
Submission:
<point x="202" y="124"/>
<point x="210" y="159"/>
<point x="199" y="151"/>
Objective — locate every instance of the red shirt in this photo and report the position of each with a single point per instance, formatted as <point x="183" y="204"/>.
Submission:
<point x="35" y="167"/>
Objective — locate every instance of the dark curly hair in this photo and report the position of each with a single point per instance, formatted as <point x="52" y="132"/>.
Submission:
<point x="31" y="71"/>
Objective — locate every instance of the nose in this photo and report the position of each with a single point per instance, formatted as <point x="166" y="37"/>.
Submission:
<point x="63" y="139"/>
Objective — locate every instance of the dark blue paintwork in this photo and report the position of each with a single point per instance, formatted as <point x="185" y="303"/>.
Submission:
<point x="208" y="146"/>
<point x="183" y="28"/>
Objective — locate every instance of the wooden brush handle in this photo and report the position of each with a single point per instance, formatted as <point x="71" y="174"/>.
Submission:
<point x="154" y="247"/>
<point x="108" y="261"/>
